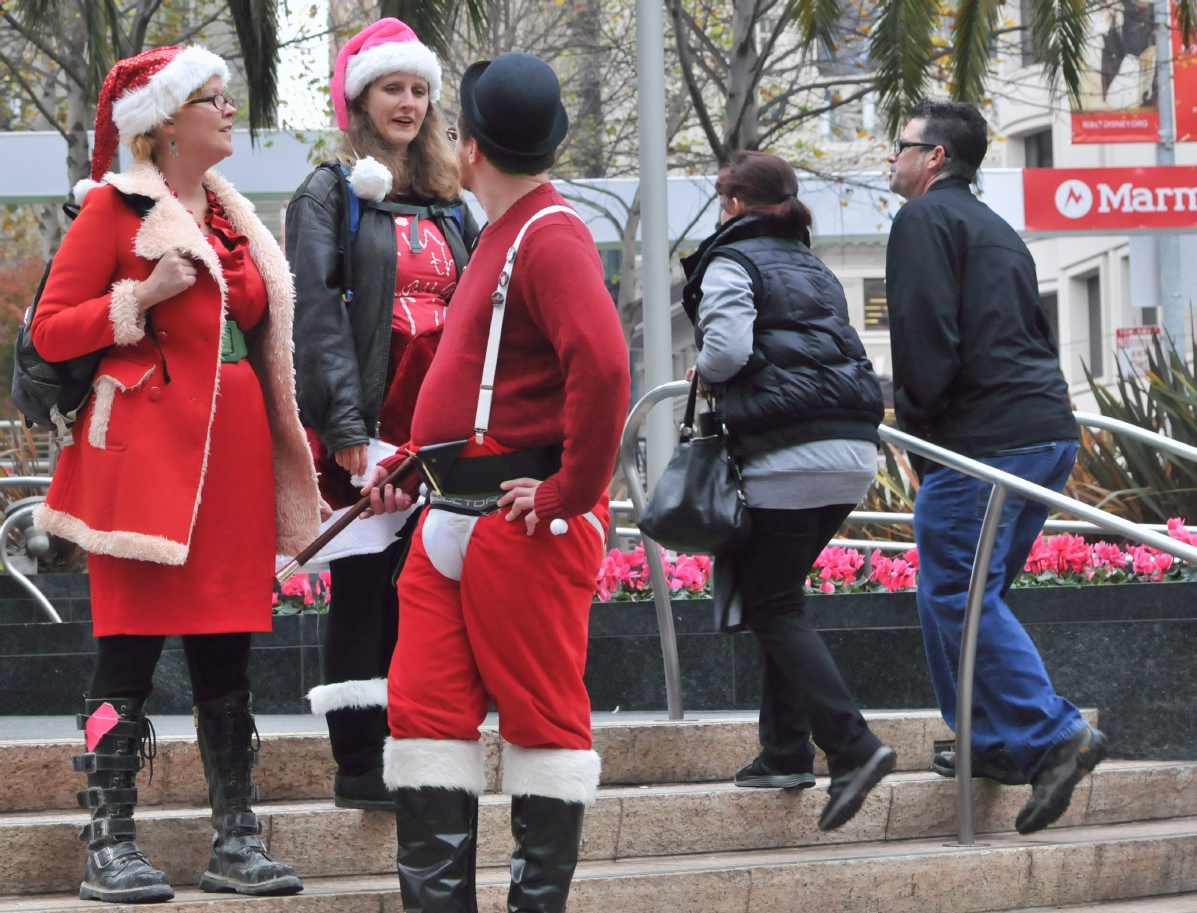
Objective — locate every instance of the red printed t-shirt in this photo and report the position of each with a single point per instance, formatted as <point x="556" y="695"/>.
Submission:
<point x="424" y="281"/>
<point x="562" y="373"/>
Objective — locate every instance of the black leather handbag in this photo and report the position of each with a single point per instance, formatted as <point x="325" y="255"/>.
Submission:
<point x="698" y="503"/>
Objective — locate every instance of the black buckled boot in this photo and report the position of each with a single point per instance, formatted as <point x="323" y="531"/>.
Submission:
<point x="117" y="870"/>
<point x="547" y="833"/>
<point x="357" y="735"/>
<point x="228" y="746"/>
<point x="437" y="833"/>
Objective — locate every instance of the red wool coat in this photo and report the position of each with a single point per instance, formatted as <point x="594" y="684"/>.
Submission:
<point x="131" y="484"/>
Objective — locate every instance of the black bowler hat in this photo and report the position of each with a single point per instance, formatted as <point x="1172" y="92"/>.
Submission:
<point x="512" y="105"/>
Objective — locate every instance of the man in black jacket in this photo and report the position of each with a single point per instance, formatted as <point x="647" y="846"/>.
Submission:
<point x="976" y="371"/>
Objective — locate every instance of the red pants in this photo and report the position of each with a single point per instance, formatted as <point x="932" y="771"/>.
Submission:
<point x="512" y="630"/>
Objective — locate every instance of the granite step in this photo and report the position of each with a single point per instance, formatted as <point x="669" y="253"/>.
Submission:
<point x="299" y="766"/>
<point x="1167" y="903"/>
<point x="43" y="853"/>
<point x="1071" y="865"/>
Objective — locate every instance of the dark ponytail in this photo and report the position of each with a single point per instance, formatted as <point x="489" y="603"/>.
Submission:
<point x="768" y="188"/>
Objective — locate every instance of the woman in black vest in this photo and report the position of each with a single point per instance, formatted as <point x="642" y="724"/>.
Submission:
<point x="802" y="404"/>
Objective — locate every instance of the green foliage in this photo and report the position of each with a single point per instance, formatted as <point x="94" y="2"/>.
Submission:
<point x="1135" y="479"/>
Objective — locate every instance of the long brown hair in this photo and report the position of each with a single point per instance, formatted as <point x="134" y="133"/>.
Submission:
<point x="428" y="168"/>
<point x="768" y="187"/>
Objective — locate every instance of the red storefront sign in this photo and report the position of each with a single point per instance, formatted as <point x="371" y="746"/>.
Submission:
<point x="1184" y="87"/>
<point x="1109" y="199"/>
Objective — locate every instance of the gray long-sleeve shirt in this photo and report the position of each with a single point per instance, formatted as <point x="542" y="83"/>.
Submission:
<point x="791" y="478"/>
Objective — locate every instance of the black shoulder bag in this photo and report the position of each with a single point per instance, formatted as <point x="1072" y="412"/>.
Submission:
<point x="698" y="503"/>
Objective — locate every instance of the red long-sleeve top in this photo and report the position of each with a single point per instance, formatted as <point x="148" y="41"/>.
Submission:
<point x="562" y="375"/>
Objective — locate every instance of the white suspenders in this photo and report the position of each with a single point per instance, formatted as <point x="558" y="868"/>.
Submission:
<point x="499" y="300"/>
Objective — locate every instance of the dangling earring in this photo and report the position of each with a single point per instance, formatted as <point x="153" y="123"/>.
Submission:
<point x="174" y="149"/>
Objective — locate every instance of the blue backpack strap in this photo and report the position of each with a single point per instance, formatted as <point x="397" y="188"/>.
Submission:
<point x="355" y="205"/>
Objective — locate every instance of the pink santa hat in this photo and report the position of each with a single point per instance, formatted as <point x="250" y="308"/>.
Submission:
<point x="140" y="93"/>
<point x="387" y="46"/>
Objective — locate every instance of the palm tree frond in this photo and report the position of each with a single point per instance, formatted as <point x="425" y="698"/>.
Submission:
<point x="975" y="24"/>
<point x="256" y="22"/>
<point x="1058" y="32"/>
<point x="43" y="16"/>
<point x="1186" y="21"/>
<point x="817" y="21"/>
<point x="898" y="49"/>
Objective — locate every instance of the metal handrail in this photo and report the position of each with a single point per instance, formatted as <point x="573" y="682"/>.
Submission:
<point x="1003" y="483"/>
<point x="652" y="554"/>
<point x="38" y="596"/>
<point x="1142" y="435"/>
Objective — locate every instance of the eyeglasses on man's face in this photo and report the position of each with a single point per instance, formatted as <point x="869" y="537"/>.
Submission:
<point x="452" y="134"/>
<point x="902" y="145"/>
<point x="219" y="101"/>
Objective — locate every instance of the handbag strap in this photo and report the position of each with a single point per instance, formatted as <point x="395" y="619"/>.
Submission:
<point x="499" y="300"/>
<point x="687" y="430"/>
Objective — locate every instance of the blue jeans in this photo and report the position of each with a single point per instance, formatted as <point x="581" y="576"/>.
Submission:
<point x="1014" y="704"/>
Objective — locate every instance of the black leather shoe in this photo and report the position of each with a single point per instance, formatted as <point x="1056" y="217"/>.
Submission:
<point x="999" y="767"/>
<point x="847" y="792"/>
<point x="757" y="775"/>
<point x="365" y="791"/>
<point x="1064" y="768"/>
<point x="122" y="874"/>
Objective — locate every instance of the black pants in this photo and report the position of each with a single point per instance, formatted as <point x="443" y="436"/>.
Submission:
<point x="363" y="617"/>
<point x="125" y="664"/>
<point x="803" y="692"/>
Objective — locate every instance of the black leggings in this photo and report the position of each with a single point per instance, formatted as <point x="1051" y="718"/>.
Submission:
<point x="803" y="692"/>
<point x="125" y="663"/>
<point x="363" y="620"/>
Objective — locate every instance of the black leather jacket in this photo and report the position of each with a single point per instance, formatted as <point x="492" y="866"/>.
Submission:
<point x="341" y="351"/>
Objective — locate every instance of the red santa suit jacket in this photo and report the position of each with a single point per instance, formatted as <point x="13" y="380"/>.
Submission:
<point x="131" y="484"/>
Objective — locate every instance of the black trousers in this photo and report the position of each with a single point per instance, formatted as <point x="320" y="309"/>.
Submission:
<point x="803" y="692"/>
<point x="363" y="617"/>
<point x="125" y="664"/>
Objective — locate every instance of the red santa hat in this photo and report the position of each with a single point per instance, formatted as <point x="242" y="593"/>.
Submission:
<point x="141" y="92"/>
<point x="387" y="46"/>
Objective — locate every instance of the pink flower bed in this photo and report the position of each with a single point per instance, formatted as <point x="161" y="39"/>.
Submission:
<point x="1064" y="560"/>
<point x="299" y="595"/>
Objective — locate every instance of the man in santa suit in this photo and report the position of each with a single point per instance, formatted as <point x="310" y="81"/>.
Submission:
<point x="516" y="427"/>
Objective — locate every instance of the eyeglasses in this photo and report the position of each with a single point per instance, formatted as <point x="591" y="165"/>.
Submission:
<point x="902" y="145"/>
<point x="452" y="134"/>
<point x="218" y="101"/>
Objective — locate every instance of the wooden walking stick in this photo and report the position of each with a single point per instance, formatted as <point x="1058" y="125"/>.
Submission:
<point x="396" y="476"/>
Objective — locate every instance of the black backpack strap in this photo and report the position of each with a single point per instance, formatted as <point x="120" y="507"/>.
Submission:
<point x="758" y="284"/>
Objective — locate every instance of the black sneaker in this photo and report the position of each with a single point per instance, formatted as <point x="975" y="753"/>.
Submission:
<point x="365" y="791"/>
<point x="999" y="767"/>
<point x="758" y="776"/>
<point x="847" y="792"/>
<point x="1063" y="769"/>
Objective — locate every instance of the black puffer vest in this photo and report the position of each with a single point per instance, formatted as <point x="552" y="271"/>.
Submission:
<point x="808" y="378"/>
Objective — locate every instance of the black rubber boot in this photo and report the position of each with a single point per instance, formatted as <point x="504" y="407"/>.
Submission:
<point x="357" y="736"/>
<point x="547" y="833"/>
<point x="437" y="833"/>
<point x="117" y="870"/>
<point x="239" y="862"/>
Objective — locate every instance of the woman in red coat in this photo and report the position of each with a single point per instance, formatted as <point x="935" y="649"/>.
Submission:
<point x="189" y="469"/>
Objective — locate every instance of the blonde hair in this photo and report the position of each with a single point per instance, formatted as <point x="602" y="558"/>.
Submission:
<point x="428" y="168"/>
<point x="142" y="145"/>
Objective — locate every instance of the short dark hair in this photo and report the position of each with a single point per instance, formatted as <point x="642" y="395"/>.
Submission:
<point x="505" y="164"/>
<point x="962" y="131"/>
<point x="768" y="188"/>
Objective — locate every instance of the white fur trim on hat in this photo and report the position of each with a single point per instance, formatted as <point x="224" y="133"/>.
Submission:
<point x="143" y="109"/>
<point x="557" y="773"/>
<point x="370" y="179"/>
<point x="356" y="695"/>
<point x="393" y="57"/>
<point x="443" y="763"/>
<point x="83" y="188"/>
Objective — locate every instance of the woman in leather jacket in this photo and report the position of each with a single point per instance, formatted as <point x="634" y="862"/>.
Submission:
<point x="802" y="405"/>
<point x="377" y="239"/>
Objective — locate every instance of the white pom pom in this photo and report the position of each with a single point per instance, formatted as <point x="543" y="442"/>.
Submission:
<point x="82" y="188"/>
<point x="370" y="179"/>
<point x="558" y="527"/>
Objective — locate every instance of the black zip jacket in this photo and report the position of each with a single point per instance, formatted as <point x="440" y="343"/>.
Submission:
<point x="341" y="351"/>
<point x="975" y="367"/>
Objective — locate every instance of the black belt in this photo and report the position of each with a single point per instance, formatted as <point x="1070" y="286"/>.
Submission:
<point x="471" y="484"/>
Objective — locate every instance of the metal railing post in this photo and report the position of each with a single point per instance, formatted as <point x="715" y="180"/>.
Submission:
<point x="652" y="554"/>
<point x="968" y="665"/>
<point x="38" y="596"/>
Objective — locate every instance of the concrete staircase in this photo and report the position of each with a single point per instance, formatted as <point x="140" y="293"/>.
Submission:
<point x="669" y="832"/>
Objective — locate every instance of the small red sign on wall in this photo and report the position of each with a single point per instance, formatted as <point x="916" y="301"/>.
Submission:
<point x="1100" y="199"/>
<point x="1137" y="126"/>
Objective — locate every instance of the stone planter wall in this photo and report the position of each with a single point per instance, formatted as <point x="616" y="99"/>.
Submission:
<point x="1127" y="650"/>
